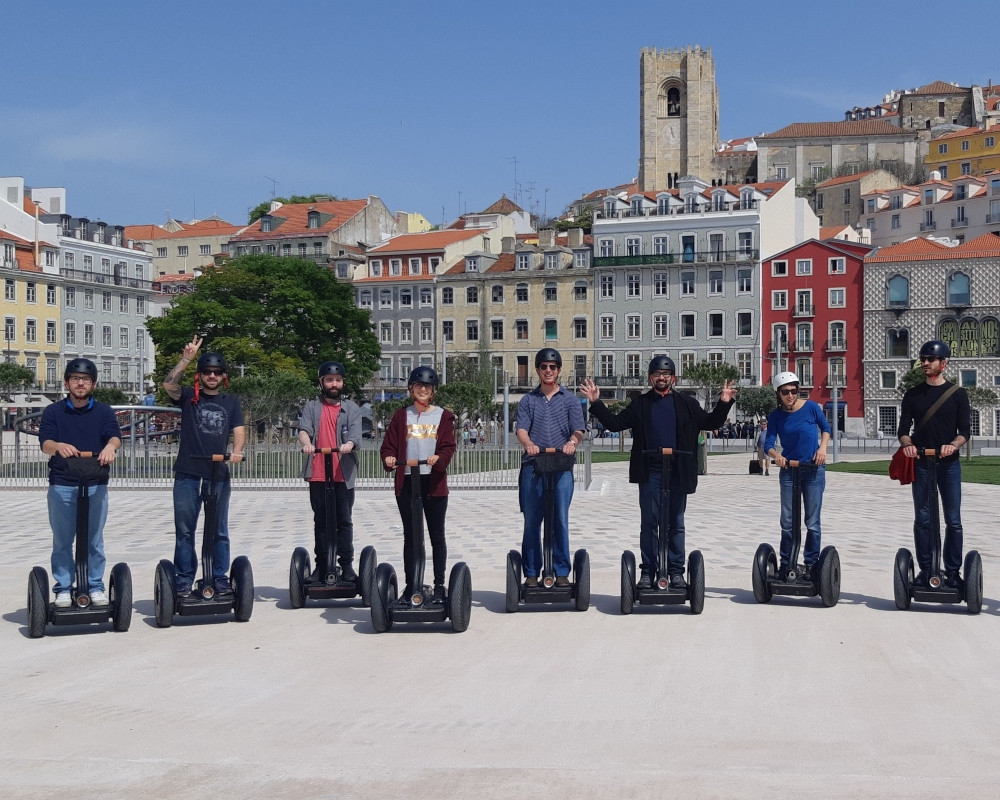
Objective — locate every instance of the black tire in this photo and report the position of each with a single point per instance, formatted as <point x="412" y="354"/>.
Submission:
<point x="581" y="577"/>
<point x="973" y="582"/>
<point x="513" y="581"/>
<point x="241" y="576"/>
<point x="902" y="579"/>
<point x="366" y="574"/>
<point x="764" y="569"/>
<point x="120" y="594"/>
<point x="829" y="577"/>
<point x="298" y="571"/>
<point x="696" y="580"/>
<point x="628" y="581"/>
<point x="38" y="602"/>
<point x="460" y="597"/>
<point x="383" y="596"/>
<point x="164" y="594"/>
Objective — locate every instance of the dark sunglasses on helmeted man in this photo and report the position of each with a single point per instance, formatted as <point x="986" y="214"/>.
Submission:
<point x="213" y="372"/>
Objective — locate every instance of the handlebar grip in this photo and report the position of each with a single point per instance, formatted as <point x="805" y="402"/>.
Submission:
<point x="85" y="454"/>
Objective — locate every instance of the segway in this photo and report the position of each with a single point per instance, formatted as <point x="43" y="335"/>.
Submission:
<point x="330" y="585"/>
<point x="796" y="580"/>
<point x="970" y="585"/>
<point x="388" y="608"/>
<point x="660" y="593"/>
<point x="80" y="611"/>
<point x="548" y="591"/>
<point x="204" y="600"/>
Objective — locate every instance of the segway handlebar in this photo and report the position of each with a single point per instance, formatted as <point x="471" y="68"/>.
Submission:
<point x="90" y="454"/>
<point x="413" y="462"/>
<point x="794" y="463"/>
<point x="926" y="451"/>
<point x="666" y="451"/>
<point x="215" y="457"/>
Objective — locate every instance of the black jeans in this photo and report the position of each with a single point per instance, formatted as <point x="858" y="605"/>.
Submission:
<point x="435" y="509"/>
<point x="345" y="525"/>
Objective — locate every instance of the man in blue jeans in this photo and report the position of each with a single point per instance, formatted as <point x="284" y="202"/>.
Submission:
<point x="208" y="417"/>
<point x="662" y="418"/>
<point x="548" y="416"/>
<point x="945" y="431"/>
<point x="78" y="424"/>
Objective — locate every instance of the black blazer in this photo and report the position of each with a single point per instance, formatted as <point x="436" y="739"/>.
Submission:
<point x="691" y="419"/>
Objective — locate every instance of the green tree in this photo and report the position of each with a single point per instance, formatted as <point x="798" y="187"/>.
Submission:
<point x="14" y="379"/>
<point x="271" y="398"/>
<point x="981" y="398"/>
<point x="708" y="378"/>
<point x="912" y="378"/>
<point x="113" y="396"/>
<point x="584" y="220"/>
<point x="469" y="390"/>
<point x="756" y="401"/>
<point x="261" y="209"/>
<point x="269" y="314"/>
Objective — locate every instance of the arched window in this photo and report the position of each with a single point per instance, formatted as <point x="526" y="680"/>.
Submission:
<point x="958" y="289"/>
<point x="968" y="338"/>
<point x="948" y="333"/>
<point x="990" y="343"/>
<point x="897" y="343"/>
<point x="898" y="295"/>
<point x="673" y="102"/>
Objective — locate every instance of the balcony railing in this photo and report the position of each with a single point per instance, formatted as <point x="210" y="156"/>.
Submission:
<point x="836" y="345"/>
<point x="991" y="218"/>
<point x="928" y="226"/>
<point x="804" y="310"/>
<point x="679" y="210"/>
<point x="100" y="277"/>
<point x="803" y="345"/>
<point x="773" y="346"/>
<point x="691" y="257"/>
<point x="960" y="223"/>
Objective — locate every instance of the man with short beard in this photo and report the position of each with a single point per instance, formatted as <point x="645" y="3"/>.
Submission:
<point x="331" y="421"/>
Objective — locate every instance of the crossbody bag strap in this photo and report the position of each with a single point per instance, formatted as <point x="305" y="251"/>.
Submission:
<point x="933" y="409"/>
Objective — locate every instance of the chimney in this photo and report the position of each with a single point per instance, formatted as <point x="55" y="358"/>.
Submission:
<point x="507" y="244"/>
<point x="574" y="237"/>
<point x="275" y="205"/>
<point x="547" y="237"/>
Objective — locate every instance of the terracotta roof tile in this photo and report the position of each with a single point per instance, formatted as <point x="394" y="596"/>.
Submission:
<point x="918" y="249"/>
<point x="958" y="134"/>
<point x="854" y="127"/>
<point x="431" y="240"/>
<point x="939" y="87"/>
<point x="844" y="179"/>
<point x="296" y="219"/>
<point x="504" y="206"/>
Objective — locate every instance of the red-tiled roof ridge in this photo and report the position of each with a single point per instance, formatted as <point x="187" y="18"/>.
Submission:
<point x="939" y="87"/>
<point x="430" y="240"/>
<point x="916" y="249"/>
<point x="852" y="127"/>
<point x="958" y="134"/>
<point x="845" y="178"/>
<point x="504" y="206"/>
<point x="296" y="216"/>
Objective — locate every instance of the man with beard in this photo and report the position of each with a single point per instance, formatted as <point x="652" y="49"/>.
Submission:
<point x="662" y="418"/>
<point x="943" y="423"/>
<point x="332" y="421"/>
<point x="208" y="417"/>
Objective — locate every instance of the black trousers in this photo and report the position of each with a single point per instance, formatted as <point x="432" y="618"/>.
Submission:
<point x="345" y="525"/>
<point x="435" y="509"/>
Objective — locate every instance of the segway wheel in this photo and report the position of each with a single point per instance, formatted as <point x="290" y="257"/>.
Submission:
<point x="765" y="565"/>
<point x="164" y="589"/>
<point x="513" y="581"/>
<point x="696" y="579"/>
<point x="241" y="576"/>
<point x="581" y="576"/>
<point x="38" y="602"/>
<point x="829" y="576"/>
<point x="973" y="577"/>
<point x="366" y="574"/>
<point x="628" y="581"/>
<point x="298" y="571"/>
<point x="383" y="596"/>
<point x="460" y="597"/>
<point x="902" y="579"/>
<point x="120" y="592"/>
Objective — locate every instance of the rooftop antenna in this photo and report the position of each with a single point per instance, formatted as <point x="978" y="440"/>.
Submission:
<point x="274" y="186"/>
<point x="516" y="184"/>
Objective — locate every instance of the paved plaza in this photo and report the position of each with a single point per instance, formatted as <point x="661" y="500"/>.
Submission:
<point x="787" y="699"/>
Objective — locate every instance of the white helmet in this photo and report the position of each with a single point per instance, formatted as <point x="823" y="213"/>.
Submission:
<point x="783" y="378"/>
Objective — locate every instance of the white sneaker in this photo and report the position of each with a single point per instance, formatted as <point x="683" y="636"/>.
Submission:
<point x="63" y="600"/>
<point x="98" y="598"/>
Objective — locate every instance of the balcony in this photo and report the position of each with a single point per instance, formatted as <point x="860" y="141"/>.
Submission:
<point x="960" y="223"/>
<point x="803" y="345"/>
<point x="897" y="305"/>
<point x="678" y="210"/>
<point x="804" y="310"/>
<point x="928" y="226"/>
<point x="991" y="218"/>
<point x="836" y="345"/>
<point x="100" y="277"/>
<point x="690" y="257"/>
<point x="773" y="347"/>
<point x="838" y="381"/>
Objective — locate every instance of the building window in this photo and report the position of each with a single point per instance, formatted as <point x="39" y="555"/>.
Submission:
<point x="105" y="301"/>
<point x="581" y="259"/>
<point x="472" y="264"/>
<point x="406" y="298"/>
<point x="552" y="261"/>
<point x="898" y="294"/>
<point x="803" y="303"/>
<point x="633" y="326"/>
<point x="365" y="299"/>
<point x="385" y="333"/>
<point x="887" y="379"/>
<point x="607" y="365"/>
<point x="838" y="266"/>
<point x="523" y="261"/>
<point x="989" y="141"/>
<point x="661" y="326"/>
<point x="385" y="298"/>
<point x="414" y="266"/>
<point x="781" y="172"/>
<point x="803" y="266"/>
<point x="447" y="296"/>
<point x="744" y="323"/>
<point x="580" y="328"/>
<point x="472" y="295"/>
<point x="521" y="330"/>
<point x="70" y="336"/>
<point x="660" y="245"/>
<point x="580" y="291"/>
<point x="958" y="290"/>
<point x="426" y="297"/>
<point x="496" y="330"/>
<point x="161" y="252"/>
<point x="405" y="332"/>
<point x="660" y="284"/>
<point x="837" y="298"/>
<point x="632" y="365"/>
<point x="687" y="361"/>
<point x="550" y="293"/>
<point x="838" y="336"/>
<point x="687" y="325"/>
<point x="205" y="249"/>
<point x="942" y="149"/>
<point x="182" y="251"/>
<point x="715" y="324"/>
<point x="286" y="250"/>
<point x="608" y="287"/>
<point x="803" y="368"/>
<point x="496" y="293"/>
<point x="106" y="337"/>
<point x="633" y="246"/>
<point x="715" y="281"/>
<point x="779" y="269"/>
<point x="744" y="284"/>
<point x="88" y="299"/>
<point x="50" y="332"/>
<point x="395" y="266"/>
<point x="687" y="283"/>
<point x="472" y="330"/>
<point x="448" y="331"/>
<point x="687" y="249"/>
<point x="123" y="338"/>
<point x="425" y="331"/>
<point x="69" y="296"/>
<point x="376" y="267"/>
<point x="744" y="244"/>
<point x="123" y="303"/>
<point x="744" y="363"/>
<point x="521" y="293"/>
<point x="88" y="335"/>
<point x="607" y="248"/>
<point x="633" y="286"/>
<point x="551" y="329"/>
<point x="897" y="343"/>
<point x="607" y="326"/>
<point x="779" y="300"/>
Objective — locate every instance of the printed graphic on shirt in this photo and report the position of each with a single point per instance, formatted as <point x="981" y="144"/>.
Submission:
<point x="421" y="431"/>
<point x="210" y="418"/>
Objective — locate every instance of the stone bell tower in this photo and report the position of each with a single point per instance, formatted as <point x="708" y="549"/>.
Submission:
<point x="678" y="116"/>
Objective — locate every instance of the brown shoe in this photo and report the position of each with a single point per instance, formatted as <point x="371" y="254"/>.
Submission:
<point x="562" y="580"/>
<point x="530" y="583"/>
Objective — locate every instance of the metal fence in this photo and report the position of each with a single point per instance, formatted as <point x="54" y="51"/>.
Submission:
<point x="150" y="442"/>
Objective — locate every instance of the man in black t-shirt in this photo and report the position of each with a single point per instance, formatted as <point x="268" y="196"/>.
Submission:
<point x="208" y="417"/>
<point x="945" y="432"/>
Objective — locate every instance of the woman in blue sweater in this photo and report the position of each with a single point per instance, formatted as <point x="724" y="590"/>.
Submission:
<point x="804" y="433"/>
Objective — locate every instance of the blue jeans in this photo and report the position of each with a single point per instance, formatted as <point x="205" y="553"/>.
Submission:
<point x="187" y="506"/>
<point x="532" y="505"/>
<point x="62" y="519"/>
<point x="812" y="482"/>
<point x="649" y="526"/>
<point x="949" y="483"/>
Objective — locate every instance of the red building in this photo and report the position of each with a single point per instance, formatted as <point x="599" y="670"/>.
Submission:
<point x="811" y="323"/>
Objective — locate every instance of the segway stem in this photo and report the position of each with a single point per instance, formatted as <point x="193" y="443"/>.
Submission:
<point x="934" y="511"/>
<point x="663" y="527"/>
<point x="82" y="555"/>
<point x="330" y="510"/>
<point x="416" y="580"/>
<point x="548" y="523"/>
<point x="210" y="504"/>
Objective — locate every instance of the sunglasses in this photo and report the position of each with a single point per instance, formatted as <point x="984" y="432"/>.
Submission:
<point x="548" y="368"/>
<point x="928" y="359"/>
<point x="788" y="392"/>
<point x="213" y="372"/>
<point x="661" y="374"/>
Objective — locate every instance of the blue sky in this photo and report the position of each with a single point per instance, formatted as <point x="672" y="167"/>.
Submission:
<point x="184" y="108"/>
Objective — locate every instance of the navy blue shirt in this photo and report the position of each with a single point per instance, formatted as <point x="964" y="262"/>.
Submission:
<point x="88" y="429"/>
<point x="205" y="429"/>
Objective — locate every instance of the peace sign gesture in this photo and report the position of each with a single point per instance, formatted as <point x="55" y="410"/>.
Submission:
<point x="192" y="347"/>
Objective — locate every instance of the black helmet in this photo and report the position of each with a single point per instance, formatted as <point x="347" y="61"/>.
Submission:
<point x="936" y="348"/>
<point x="661" y="362"/>
<point x="81" y="366"/>
<point x="212" y="360"/>
<point x="422" y="375"/>
<point x="332" y="368"/>
<point x="548" y="354"/>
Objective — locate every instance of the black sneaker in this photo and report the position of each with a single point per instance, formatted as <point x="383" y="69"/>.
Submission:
<point x="677" y="582"/>
<point x="183" y="590"/>
<point x="348" y="575"/>
<point x="806" y="572"/>
<point x="438" y="593"/>
<point x="645" y="580"/>
<point x="952" y="580"/>
<point x="562" y="580"/>
<point x="223" y="586"/>
<point x="921" y="580"/>
<point x="531" y="582"/>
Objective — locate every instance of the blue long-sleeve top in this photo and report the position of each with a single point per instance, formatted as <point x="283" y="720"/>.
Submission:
<point x="799" y="431"/>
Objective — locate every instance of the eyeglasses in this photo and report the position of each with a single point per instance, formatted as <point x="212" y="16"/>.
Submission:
<point x="79" y="379"/>
<point x="928" y="359"/>
<point x="788" y="392"/>
<point x="213" y="372"/>
<point x="660" y="374"/>
<point x="548" y="368"/>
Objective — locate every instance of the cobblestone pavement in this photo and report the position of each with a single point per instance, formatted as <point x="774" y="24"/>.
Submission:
<point x="789" y="698"/>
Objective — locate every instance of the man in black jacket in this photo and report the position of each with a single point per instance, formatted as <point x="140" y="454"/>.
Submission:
<point x="662" y="418"/>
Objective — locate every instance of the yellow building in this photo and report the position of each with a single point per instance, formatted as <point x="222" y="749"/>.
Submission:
<point x="970" y="151"/>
